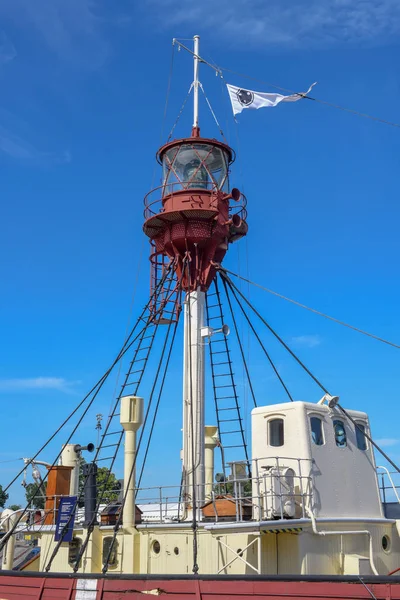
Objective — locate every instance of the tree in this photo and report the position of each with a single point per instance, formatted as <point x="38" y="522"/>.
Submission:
<point x="38" y="499"/>
<point x="3" y="497"/>
<point x="14" y="506"/>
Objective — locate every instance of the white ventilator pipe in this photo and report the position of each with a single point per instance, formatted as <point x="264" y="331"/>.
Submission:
<point x="131" y="418"/>
<point x="8" y="519"/>
<point x="210" y="442"/>
<point x="71" y="458"/>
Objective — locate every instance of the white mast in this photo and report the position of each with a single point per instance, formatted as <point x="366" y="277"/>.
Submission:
<point x="196" y="61"/>
<point x="193" y="365"/>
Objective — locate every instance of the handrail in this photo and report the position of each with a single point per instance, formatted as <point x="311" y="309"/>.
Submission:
<point x="391" y="481"/>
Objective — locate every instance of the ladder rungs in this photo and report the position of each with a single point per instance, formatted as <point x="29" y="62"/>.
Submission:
<point x="114" y="432"/>
<point x="225" y="398"/>
<point x="109" y="446"/>
<point x="224" y="375"/>
<point x="229" y="432"/>
<point x="218" y="387"/>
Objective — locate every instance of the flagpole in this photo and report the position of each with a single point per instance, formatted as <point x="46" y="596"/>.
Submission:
<point x="196" y="40"/>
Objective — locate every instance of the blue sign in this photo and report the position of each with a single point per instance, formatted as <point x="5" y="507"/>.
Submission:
<point x="65" y="519"/>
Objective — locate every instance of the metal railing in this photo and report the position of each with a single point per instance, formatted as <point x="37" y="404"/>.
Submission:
<point x="389" y="483"/>
<point x="154" y="206"/>
<point x="279" y="488"/>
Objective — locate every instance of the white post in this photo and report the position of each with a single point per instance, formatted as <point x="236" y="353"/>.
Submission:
<point x="193" y="399"/>
<point x="71" y="458"/>
<point x="131" y="418"/>
<point x="211" y="440"/>
<point x="8" y="518"/>
<point x="196" y="81"/>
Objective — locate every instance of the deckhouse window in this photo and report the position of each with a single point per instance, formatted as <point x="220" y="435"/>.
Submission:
<point x="317" y="435"/>
<point x="360" y="437"/>
<point x="340" y="434"/>
<point x="275" y="432"/>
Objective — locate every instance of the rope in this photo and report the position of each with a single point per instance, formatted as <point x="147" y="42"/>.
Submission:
<point x="141" y="333"/>
<point x="240" y="344"/>
<point x="118" y="443"/>
<point x="219" y="71"/>
<point x="127" y="483"/>
<point x="233" y="286"/>
<point x="180" y="113"/>
<point x="213" y="113"/>
<point x="158" y="400"/>
<point x="258" y="337"/>
<point x="313" y="310"/>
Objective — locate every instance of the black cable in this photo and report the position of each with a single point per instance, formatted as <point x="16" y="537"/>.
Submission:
<point x="365" y="434"/>
<point x="240" y="343"/>
<point x="118" y="443"/>
<point x="257" y="336"/>
<point x="127" y="483"/>
<point x="234" y="287"/>
<point x="312" y="376"/>
<point x="158" y="401"/>
<point x="141" y="333"/>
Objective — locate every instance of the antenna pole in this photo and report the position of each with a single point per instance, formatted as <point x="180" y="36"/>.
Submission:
<point x="196" y="61"/>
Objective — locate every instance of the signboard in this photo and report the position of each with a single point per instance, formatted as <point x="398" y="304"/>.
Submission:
<point x="65" y="519"/>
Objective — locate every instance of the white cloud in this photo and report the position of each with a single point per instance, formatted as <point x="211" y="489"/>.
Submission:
<point x="286" y="22"/>
<point x="7" y="49"/>
<point x="387" y="442"/>
<point x="72" y="29"/>
<point x="306" y="341"/>
<point x="37" y="383"/>
<point x="22" y="150"/>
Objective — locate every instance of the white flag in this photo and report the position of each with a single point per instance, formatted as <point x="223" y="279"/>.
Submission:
<point x="241" y="98"/>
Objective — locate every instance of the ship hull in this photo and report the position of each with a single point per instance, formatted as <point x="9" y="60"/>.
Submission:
<point x="54" y="586"/>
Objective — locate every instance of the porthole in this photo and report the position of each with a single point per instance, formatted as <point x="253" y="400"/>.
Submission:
<point x="156" y="547"/>
<point x="73" y="550"/>
<point x="239" y="552"/>
<point x="386" y="543"/>
<point x="176" y="550"/>
<point x="110" y="551"/>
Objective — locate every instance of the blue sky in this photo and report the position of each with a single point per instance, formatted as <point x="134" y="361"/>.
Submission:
<point x="83" y="87"/>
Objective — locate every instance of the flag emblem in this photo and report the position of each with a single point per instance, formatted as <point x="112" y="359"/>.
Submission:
<point x="245" y="97"/>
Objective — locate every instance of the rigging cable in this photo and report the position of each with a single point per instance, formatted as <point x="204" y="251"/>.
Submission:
<point x="126" y="347"/>
<point x="313" y="310"/>
<point x="228" y="281"/>
<point x="345" y="413"/>
<point x="220" y="70"/>
<point x="151" y="321"/>
<point x="240" y="344"/>
<point x="131" y="474"/>
<point x="234" y="287"/>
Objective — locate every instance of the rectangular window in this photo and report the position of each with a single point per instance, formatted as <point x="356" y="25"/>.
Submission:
<point x="340" y="434"/>
<point x="360" y="437"/>
<point x="275" y="432"/>
<point x="316" y="431"/>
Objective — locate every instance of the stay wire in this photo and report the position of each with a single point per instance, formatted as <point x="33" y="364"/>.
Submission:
<point x="313" y="310"/>
<point x="234" y="287"/>
<point x="97" y="387"/>
<point x="131" y="474"/>
<point x="240" y="343"/>
<point x="121" y="354"/>
<point x="220" y="70"/>
<point x="257" y="336"/>
<point x="159" y="397"/>
<point x="117" y="402"/>
<point x="180" y="113"/>
<point x="347" y="415"/>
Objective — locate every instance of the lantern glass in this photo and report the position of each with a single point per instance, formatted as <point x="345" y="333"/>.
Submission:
<point x="195" y="166"/>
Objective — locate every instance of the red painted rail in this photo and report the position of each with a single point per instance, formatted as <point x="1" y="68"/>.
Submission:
<point x="56" y="587"/>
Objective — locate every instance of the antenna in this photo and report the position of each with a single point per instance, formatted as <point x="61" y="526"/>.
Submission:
<point x="99" y="419"/>
<point x="196" y="60"/>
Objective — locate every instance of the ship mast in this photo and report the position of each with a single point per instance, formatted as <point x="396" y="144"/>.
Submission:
<point x="193" y="358"/>
<point x="190" y="222"/>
